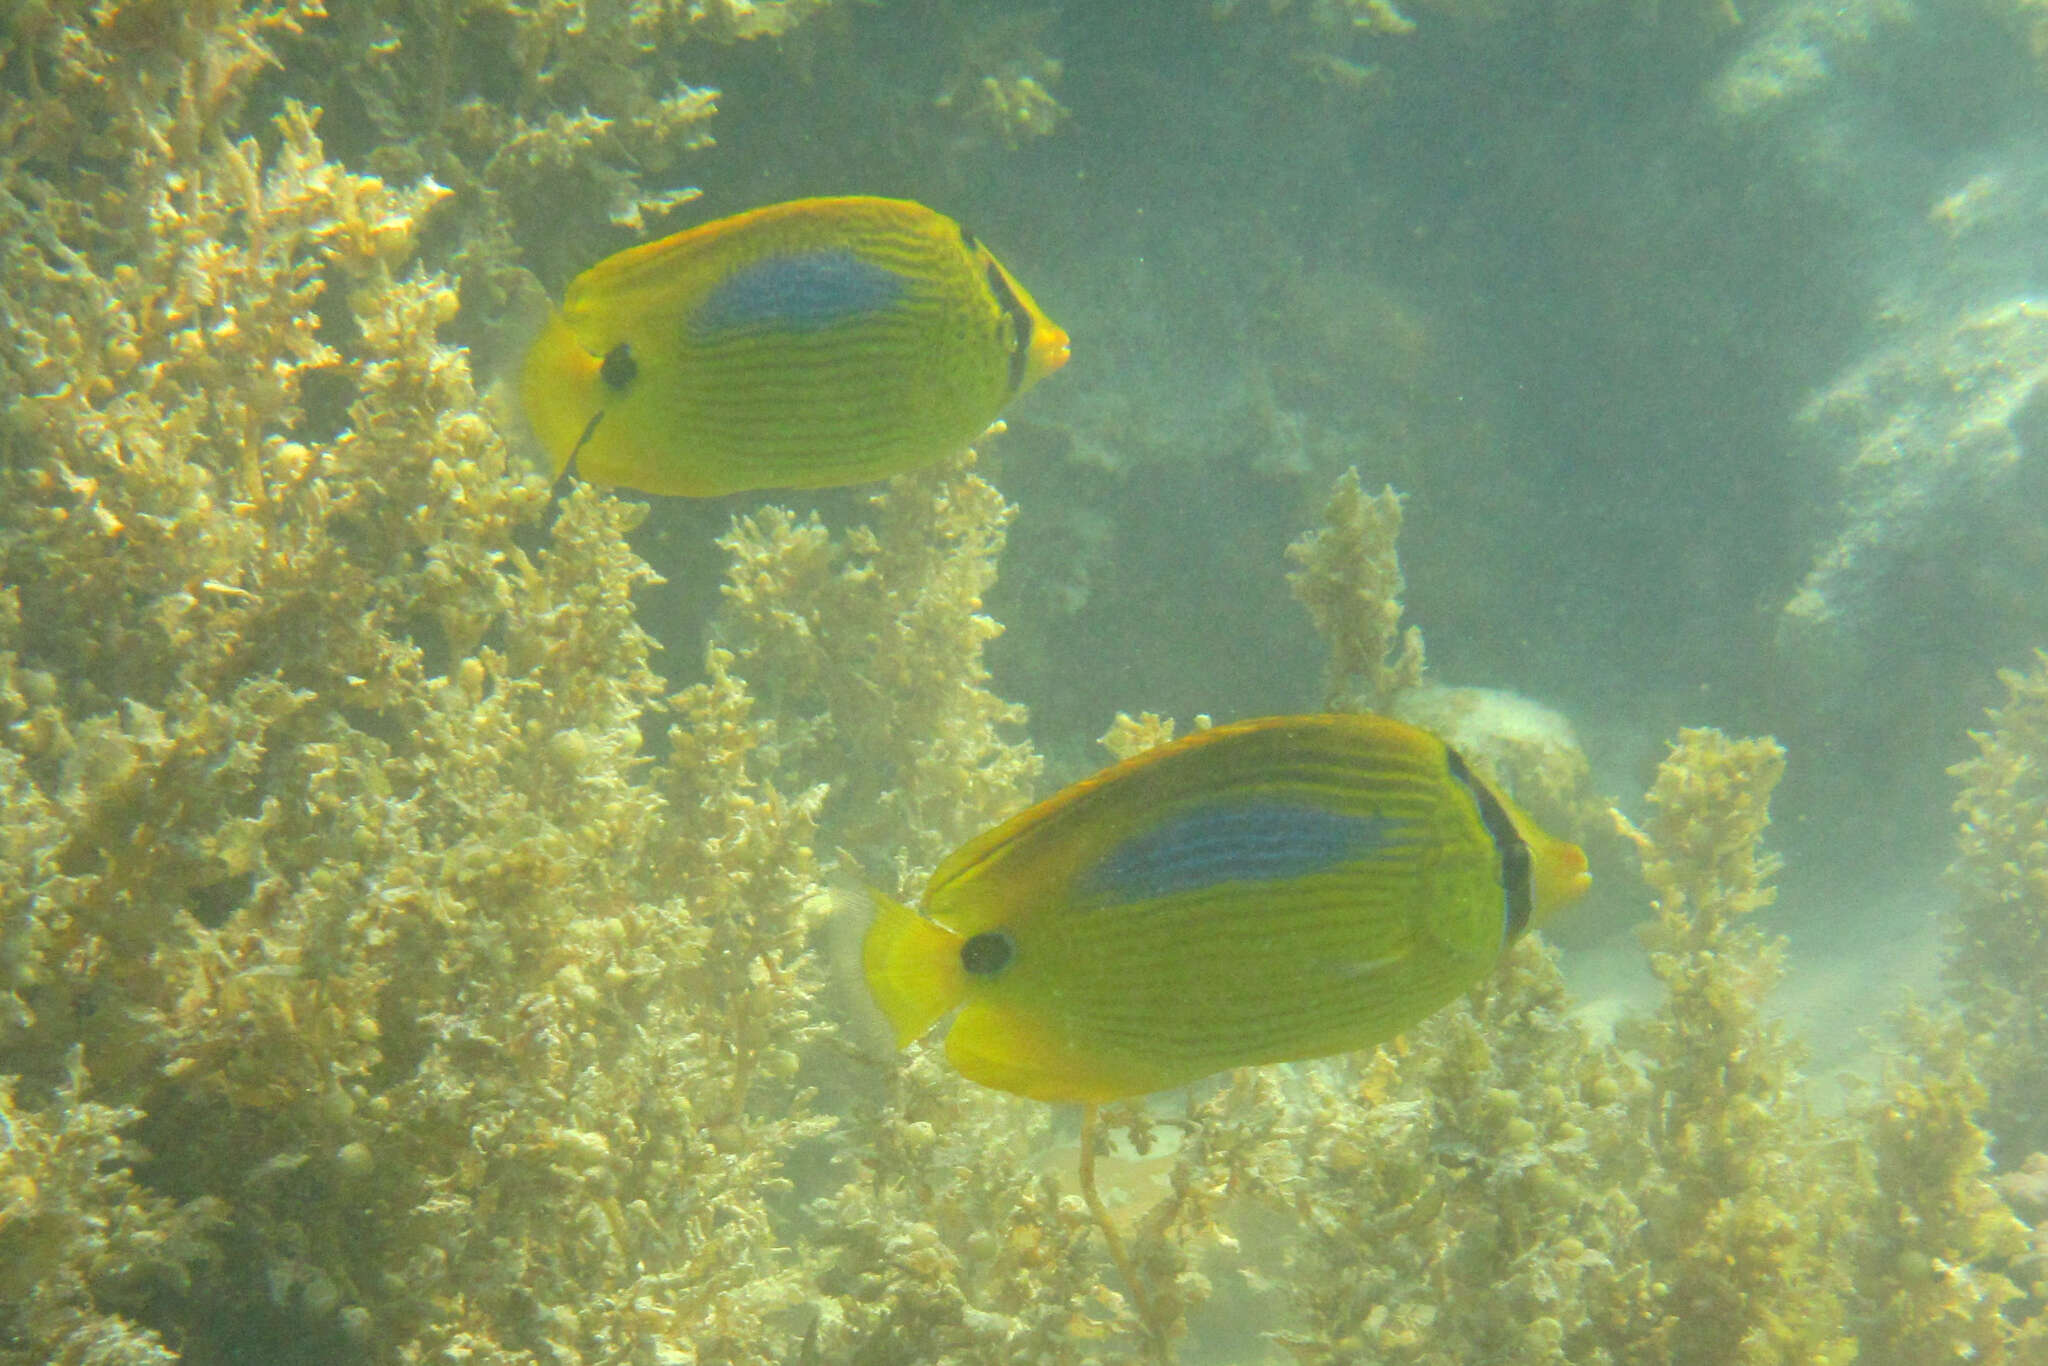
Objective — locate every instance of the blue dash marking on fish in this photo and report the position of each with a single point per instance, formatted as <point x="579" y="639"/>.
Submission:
<point x="802" y="291"/>
<point x="1262" y="841"/>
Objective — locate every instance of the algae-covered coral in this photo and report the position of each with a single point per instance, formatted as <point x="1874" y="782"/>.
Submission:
<point x="403" y="959"/>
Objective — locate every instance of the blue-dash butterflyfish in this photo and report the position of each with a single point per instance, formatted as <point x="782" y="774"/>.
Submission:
<point x="1269" y="891"/>
<point x="824" y="341"/>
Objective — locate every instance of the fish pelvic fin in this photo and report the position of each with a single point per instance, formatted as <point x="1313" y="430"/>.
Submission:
<point x="912" y="966"/>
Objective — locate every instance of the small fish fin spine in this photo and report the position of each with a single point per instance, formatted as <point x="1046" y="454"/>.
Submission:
<point x="557" y="386"/>
<point x="912" y="966"/>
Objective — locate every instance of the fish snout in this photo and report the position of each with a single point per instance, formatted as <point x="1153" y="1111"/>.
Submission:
<point x="1051" y="349"/>
<point x="1562" y="876"/>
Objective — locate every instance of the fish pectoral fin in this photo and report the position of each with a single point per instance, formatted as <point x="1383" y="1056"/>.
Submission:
<point x="1368" y="967"/>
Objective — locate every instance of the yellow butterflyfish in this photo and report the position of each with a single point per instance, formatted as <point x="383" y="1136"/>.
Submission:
<point x="1278" y="889"/>
<point x="818" y="342"/>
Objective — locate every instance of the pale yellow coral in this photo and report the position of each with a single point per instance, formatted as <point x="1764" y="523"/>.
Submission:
<point x="1735" y="1234"/>
<point x="872" y="648"/>
<point x="1349" y="578"/>
<point x="1998" y="932"/>
<point x="1128" y="736"/>
<point x="330" y="841"/>
<point x="1935" y="1230"/>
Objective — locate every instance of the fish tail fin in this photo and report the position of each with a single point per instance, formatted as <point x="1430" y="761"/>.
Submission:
<point x="912" y="967"/>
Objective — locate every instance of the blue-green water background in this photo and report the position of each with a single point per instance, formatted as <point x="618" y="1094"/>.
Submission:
<point x="1576" y="278"/>
<point x="1540" y="275"/>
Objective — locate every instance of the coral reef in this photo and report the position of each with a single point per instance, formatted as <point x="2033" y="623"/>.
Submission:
<point x="1924" y="433"/>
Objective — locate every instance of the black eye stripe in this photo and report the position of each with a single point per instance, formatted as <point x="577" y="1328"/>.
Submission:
<point x="1020" y="323"/>
<point x="1515" y="867"/>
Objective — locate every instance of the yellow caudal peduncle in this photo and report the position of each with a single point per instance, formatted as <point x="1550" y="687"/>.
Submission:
<point x="559" y="382"/>
<point x="912" y="966"/>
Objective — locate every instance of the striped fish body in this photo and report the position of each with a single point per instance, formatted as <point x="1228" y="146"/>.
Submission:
<point x="824" y="341"/>
<point x="1280" y="889"/>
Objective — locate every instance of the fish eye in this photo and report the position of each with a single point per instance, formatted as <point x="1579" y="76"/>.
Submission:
<point x="619" y="368"/>
<point x="988" y="953"/>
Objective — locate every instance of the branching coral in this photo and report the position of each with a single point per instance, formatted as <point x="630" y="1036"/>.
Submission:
<point x="1003" y="85"/>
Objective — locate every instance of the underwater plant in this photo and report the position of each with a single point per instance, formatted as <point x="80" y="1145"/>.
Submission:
<point x="1736" y="1225"/>
<point x="1933" y="1240"/>
<point x="1997" y="969"/>
<point x="356" y="969"/>
<point x="1348" y="577"/>
<point x="397" y="965"/>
